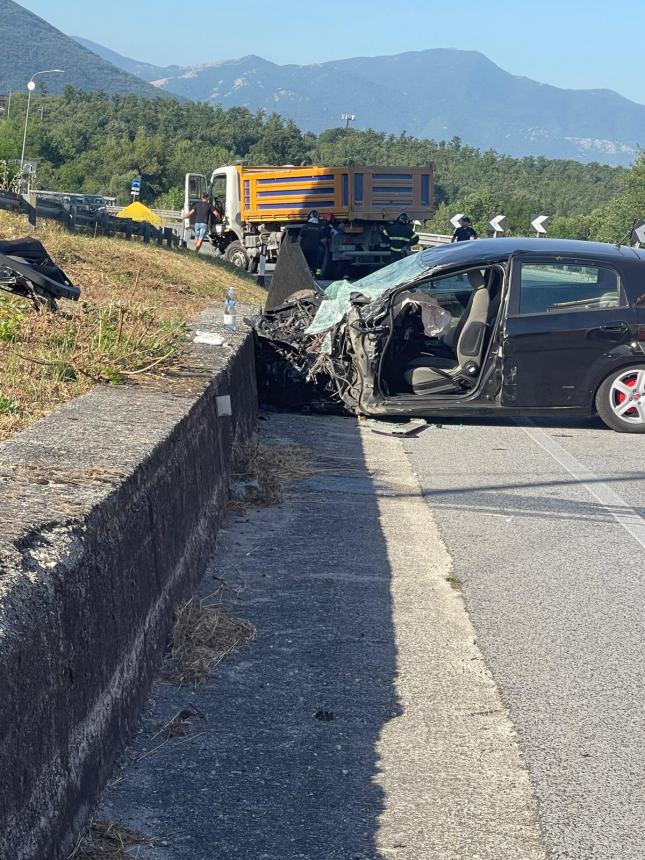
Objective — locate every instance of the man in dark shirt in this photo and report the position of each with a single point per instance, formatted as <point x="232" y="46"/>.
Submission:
<point x="465" y="232"/>
<point x="313" y="239"/>
<point x="202" y="210"/>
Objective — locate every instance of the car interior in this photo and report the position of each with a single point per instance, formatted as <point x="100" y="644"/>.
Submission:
<point x="416" y="361"/>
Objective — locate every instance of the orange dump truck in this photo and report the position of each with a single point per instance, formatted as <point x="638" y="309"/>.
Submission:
<point x="258" y="204"/>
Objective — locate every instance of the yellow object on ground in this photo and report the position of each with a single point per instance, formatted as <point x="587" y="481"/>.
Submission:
<point x="138" y="212"/>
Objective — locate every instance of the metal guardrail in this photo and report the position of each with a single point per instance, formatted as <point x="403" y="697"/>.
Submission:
<point x="74" y="218"/>
<point x="428" y="240"/>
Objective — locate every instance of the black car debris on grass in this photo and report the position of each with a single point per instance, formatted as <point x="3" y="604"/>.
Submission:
<point x="27" y="270"/>
<point x="492" y="327"/>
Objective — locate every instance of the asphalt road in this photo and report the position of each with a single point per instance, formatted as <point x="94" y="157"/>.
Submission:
<point x="543" y="522"/>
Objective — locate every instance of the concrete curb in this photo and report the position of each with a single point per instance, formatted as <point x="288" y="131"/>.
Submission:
<point x="108" y="514"/>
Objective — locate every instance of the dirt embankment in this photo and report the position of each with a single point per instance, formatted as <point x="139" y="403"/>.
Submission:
<point x="129" y="324"/>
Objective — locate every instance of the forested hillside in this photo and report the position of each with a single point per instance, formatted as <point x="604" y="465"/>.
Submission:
<point x="97" y="143"/>
<point x="29" y="43"/>
<point x="440" y="92"/>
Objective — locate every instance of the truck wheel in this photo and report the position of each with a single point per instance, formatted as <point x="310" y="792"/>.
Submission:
<point x="620" y="400"/>
<point x="236" y="254"/>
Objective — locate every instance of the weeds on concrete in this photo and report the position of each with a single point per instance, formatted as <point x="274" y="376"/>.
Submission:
<point x="262" y="471"/>
<point x="203" y="635"/>
<point x="106" y="841"/>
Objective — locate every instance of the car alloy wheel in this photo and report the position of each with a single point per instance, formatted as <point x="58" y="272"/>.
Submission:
<point x="628" y="396"/>
<point x="621" y="400"/>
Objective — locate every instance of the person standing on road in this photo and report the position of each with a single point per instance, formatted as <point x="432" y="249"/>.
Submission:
<point x="465" y="232"/>
<point x="401" y="237"/>
<point x="313" y="239"/>
<point x="202" y="211"/>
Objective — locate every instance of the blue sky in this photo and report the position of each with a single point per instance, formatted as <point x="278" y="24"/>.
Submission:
<point x="568" y="43"/>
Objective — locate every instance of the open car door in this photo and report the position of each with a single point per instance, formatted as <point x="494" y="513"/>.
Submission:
<point x="195" y="185"/>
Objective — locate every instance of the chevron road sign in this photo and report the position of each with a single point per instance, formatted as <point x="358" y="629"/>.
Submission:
<point x="498" y="224"/>
<point x="456" y="220"/>
<point x="638" y="232"/>
<point x="540" y="223"/>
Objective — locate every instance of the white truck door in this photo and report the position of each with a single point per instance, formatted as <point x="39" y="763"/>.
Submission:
<point x="195" y="185"/>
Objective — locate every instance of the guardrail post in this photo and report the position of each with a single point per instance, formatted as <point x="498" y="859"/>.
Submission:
<point x="30" y="202"/>
<point x="145" y="232"/>
<point x="167" y="235"/>
<point x="127" y="227"/>
<point x="73" y="218"/>
<point x="262" y="266"/>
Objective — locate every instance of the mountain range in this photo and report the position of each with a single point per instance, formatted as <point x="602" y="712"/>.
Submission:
<point x="437" y="93"/>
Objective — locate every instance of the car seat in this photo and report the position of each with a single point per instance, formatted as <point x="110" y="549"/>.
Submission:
<point x="434" y="373"/>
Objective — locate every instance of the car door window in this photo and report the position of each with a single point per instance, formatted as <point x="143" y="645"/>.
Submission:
<point x="564" y="287"/>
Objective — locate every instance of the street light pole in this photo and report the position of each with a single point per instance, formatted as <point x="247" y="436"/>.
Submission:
<point x="31" y="86"/>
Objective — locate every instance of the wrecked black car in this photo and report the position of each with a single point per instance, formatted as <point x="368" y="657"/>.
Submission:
<point x="490" y="327"/>
<point x="27" y="270"/>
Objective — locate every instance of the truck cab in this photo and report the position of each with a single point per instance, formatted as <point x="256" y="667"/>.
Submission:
<point x="258" y="205"/>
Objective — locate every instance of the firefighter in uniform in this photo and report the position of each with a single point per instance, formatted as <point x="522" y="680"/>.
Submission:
<point x="401" y="237"/>
<point x="313" y="241"/>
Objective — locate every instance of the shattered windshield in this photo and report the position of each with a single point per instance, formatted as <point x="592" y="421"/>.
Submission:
<point x="335" y="300"/>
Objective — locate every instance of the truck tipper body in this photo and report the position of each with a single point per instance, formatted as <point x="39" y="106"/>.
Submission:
<point x="258" y="205"/>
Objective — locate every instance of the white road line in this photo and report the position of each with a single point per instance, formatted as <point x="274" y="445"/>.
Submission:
<point x="615" y="505"/>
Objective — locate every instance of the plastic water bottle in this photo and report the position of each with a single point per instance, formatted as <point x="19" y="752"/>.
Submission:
<point x="230" y="309"/>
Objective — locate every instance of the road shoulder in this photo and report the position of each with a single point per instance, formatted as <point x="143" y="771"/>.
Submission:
<point x="362" y="722"/>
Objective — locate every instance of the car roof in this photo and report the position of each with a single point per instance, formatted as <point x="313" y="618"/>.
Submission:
<point x="482" y="251"/>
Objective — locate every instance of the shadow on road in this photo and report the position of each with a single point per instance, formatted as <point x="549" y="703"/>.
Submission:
<point x="284" y="765"/>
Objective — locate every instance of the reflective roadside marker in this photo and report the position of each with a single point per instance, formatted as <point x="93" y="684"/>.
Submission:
<point x="498" y="224"/>
<point x="540" y="223"/>
<point x="638" y="232"/>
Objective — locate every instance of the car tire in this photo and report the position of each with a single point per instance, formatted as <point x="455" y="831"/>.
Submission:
<point x="614" y="396"/>
<point x="235" y="254"/>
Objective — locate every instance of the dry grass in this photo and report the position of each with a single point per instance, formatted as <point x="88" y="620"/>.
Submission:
<point x="105" y="841"/>
<point x="203" y="635"/>
<point x="263" y="471"/>
<point x="179" y="283"/>
<point x="136" y="300"/>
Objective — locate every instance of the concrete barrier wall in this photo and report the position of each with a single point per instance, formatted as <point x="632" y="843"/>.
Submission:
<point x="108" y="514"/>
